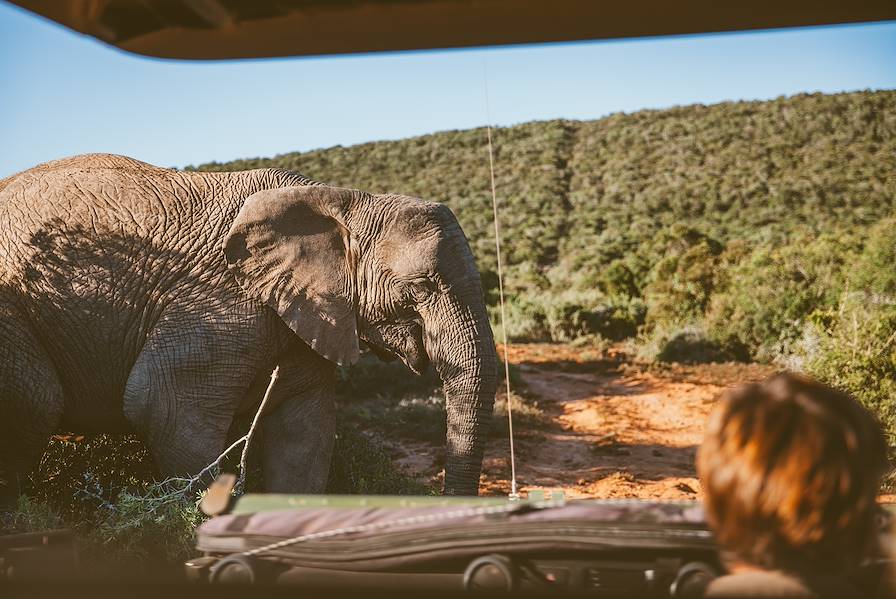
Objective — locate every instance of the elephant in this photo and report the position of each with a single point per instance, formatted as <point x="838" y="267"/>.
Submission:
<point x="135" y="298"/>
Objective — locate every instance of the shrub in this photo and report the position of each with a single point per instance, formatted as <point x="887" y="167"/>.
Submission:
<point x="614" y="320"/>
<point x="764" y="299"/>
<point x="681" y="283"/>
<point x="30" y="515"/>
<point x="875" y="269"/>
<point x="854" y="348"/>
<point x="527" y="320"/>
<point x="567" y="318"/>
<point x="617" y="319"/>
<point x="150" y="528"/>
<point x="360" y="466"/>
<point x="689" y="344"/>
<point x="103" y="488"/>
<point x="619" y="280"/>
<point x="112" y="462"/>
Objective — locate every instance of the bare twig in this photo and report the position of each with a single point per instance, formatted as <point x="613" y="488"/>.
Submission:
<point x="214" y="466"/>
<point x="244" y="458"/>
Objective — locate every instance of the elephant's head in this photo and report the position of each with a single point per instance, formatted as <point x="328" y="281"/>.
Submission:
<point x="340" y="265"/>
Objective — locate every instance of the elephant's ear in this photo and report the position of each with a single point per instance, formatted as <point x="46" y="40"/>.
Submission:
<point x="289" y="249"/>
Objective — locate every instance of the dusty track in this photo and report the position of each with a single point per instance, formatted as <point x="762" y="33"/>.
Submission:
<point x="612" y="427"/>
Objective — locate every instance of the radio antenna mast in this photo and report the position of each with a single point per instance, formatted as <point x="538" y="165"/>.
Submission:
<point x="514" y="495"/>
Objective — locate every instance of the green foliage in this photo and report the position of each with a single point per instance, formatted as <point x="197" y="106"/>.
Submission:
<point x="30" y="515"/>
<point x="852" y="344"/>
<point x="765" y="297"/>
<point x="680" y="285"/>
<point x="563" y="320"/>
<point x="875" y="269"/>
<point x="685" y="342"/>
<point x="141" y="529"/>
<point x="103" y="487"/>
<point x="619" y="280"/>
<point x="150" y="528"/>
<point x="690" y="344"/>
<point x="361" y="466"/>
<point x="854" y="348"/>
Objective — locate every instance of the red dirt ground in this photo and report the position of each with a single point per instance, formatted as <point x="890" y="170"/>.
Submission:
<point x="613" y="427"/>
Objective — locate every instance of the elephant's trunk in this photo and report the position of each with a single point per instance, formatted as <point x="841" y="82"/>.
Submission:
<point x="460" y="344"/>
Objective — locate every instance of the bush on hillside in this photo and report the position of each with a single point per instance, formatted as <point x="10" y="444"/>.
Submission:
<point x="874" y="271"/>
<point x="682" y="282"/>
<point x="853" y="347"/>
<point x="689" y="344"/>
<point x="567" y="319"/>
<point x="764" y="299"/>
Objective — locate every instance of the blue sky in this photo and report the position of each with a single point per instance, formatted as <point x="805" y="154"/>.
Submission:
<point x="65" y="94"/>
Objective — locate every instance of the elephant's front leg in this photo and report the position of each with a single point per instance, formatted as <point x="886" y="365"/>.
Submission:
<point x="297" y="435"/>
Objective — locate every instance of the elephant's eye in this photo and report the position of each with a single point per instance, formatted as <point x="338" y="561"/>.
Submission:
<point x="419" y="289"/>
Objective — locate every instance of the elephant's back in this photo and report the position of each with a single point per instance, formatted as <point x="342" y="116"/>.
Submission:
<point x="6" y="181"/>
<point x="43" y="186"/>
<point x="128" y="203"/>
<point x="95" y="160"/>
<point x="90" y="226"/>
<point x="101" y="188"/>
<point x="83" y="162"/>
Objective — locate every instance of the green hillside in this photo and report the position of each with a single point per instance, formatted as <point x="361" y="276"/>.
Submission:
<point x="593" y="206"/>
<point x="735" y="170"/>
<point x="741" y="230"/>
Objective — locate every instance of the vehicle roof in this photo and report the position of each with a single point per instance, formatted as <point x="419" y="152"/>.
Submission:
<point x="228" y="29"/>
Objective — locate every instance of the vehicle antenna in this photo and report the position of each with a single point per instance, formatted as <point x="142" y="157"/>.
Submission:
<point x="514" y="495"/>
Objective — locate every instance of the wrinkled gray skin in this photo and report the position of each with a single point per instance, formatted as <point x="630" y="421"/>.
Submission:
<point x="134" y="298"/>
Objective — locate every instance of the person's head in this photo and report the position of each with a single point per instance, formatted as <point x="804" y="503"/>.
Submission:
<point x="790" y="470"/>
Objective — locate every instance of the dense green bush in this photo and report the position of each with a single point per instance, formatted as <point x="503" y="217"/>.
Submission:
<point x="854" y="348"/>
<point x="689" y="343"/>
<point x="360" y="466"/>
<point x="30" y="515"/>
<point x="764" y="299"/>
<point x="875" y="269"/>
<point x="141" y="526"/>
<point x="681" y="283"/>
<point x="853" y="344"/>
<point x="692" y="347"/>
<point x="570" y="318"/>
<point x="149" y="528"/>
